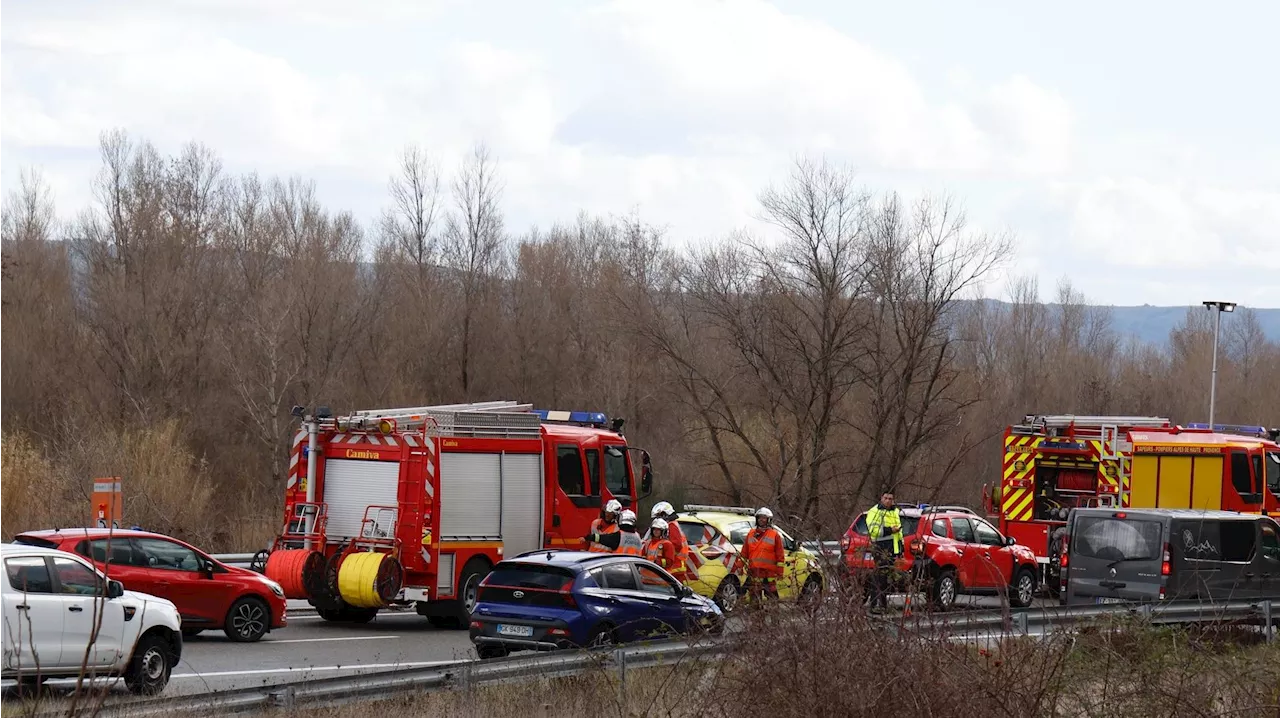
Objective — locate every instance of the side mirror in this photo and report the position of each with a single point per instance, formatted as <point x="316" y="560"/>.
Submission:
<point x="115" y="589"/>
<point x="206" y="568"/>
<point x="686" y="592"/>
<point x="1009" y="540"/>
<point x="646" y="474"/>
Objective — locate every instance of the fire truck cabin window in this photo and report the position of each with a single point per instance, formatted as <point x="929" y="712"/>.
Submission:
<point x="617" y="475"/>
<point x="1273" y="472"/>
<point x="569" y="467"/>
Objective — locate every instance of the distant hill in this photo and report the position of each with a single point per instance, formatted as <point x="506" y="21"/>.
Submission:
<point x="1152" y="324"/>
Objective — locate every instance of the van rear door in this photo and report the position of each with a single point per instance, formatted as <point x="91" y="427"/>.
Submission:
<point x="1115" y="557"/>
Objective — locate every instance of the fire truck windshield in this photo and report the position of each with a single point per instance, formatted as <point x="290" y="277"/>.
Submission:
<point x="1273" y="472"/>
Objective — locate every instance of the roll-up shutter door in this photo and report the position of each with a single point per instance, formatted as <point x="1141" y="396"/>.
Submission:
<point x="351" y="486"/>
<point x="470" y="497"/>
<point x="521" y="503"/>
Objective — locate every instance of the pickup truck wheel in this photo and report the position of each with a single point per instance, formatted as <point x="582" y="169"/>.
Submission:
<point x="944" y="589"/>
<point x="248" y="620"/>
<point x="149" y="669"/>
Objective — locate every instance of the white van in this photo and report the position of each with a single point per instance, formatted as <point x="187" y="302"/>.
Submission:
<point x="54" y="601"/>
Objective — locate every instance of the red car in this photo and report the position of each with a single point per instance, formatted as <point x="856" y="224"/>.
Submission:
<point x="950" y="551"/>
<point x="208" y="594"/>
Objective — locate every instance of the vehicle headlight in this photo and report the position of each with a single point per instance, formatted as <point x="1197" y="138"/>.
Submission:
<point x="275" y="587"/>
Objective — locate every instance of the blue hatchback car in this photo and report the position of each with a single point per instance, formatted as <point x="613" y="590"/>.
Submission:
<point x="546" y="600"/>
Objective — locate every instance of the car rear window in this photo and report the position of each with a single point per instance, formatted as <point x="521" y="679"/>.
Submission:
<point x="1116" y="539"/>
<point x="909" y="524"/>
<point x="530" y="576"/>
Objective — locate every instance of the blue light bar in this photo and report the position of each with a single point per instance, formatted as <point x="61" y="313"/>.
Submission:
<point x="1231" y="428"/>
<point x="585" y="418"/>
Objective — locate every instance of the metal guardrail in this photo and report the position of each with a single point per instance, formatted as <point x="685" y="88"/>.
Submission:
<point x="333" y="691"/>
<point x="1262" y="612"/>
<point x="241" y="560"/>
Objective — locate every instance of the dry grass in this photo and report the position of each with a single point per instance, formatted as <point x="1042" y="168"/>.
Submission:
<point x="838" y="663"/>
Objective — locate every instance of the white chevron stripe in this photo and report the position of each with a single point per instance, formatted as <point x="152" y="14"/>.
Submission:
<point x="391" y="440"/>
<point x="355" y="439"/>
<point x="337" y="438"/>
<point x="374" y="440"/>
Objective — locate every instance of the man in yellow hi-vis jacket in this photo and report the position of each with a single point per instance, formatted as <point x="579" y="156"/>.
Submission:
<point x="884" y="526"/>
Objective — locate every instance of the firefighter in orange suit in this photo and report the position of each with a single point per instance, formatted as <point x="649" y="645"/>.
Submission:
<point x="625" y="541"/>
<point x="606" y="524"/>
<point x="665" y="511"/>
<point x="764" y="555"/>
<point x="659" y="548"/>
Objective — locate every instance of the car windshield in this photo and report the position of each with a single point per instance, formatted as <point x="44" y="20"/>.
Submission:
<point x="1115" y="539"/>
<point x="528" y="575"/>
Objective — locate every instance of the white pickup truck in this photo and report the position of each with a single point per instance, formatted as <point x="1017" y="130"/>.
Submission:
<point x="54" y="605"/>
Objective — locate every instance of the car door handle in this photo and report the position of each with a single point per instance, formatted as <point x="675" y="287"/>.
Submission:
<point x="1248" y="574"/>
<point x="23" y="607"/>
<point x="75" y="609"/>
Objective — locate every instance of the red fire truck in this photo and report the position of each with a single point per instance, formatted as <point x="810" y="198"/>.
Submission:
<point x="1053" y="464"/>
<point x="415" y="505"/>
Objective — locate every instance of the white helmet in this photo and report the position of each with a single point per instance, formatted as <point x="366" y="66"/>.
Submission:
<point x="765" y="512"/>
<point x="658" y="525"/>
<point x="628" y="518"/>
<point x="613" y="507"/>
<point x="662" y="508"/>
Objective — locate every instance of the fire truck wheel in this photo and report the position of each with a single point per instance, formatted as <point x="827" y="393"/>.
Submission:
<point x="469" y="590"/>
<point x="944" y="589"/>
<point x="1024" y="589"/>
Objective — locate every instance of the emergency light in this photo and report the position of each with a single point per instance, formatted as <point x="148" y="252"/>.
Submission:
<point x="1231" y="428"/>
<point x="589" y="418"/>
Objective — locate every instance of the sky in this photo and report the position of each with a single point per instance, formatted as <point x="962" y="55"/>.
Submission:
<point x="1130" y="148"/>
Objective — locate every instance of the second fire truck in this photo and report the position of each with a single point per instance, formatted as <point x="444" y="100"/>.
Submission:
<point x="416" y="505"/>
<point x="1054" y="463"/>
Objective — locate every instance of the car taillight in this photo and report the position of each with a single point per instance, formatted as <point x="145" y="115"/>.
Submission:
<point x="476" y="624"/>
<point x="845" y="542"/>
<point x="558" y="631"/>
<point x="1164" y="563"/>
<point x="917" y="547"/>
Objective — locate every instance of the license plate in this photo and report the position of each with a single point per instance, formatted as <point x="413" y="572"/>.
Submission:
<point x="866" y="557"/>
<point x="505" y="629"/>
<point x="1105" y="599"/>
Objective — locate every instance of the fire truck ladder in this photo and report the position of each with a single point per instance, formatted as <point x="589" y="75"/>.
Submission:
<point x="1105" y="429"/>
<point x="488" y="419"/>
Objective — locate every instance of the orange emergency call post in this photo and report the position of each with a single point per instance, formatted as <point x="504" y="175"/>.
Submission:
<point x="108" y="502"/>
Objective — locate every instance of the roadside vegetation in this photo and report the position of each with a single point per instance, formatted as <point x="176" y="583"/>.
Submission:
<point x="852" y="667"/>
<point x="163" y="333"/>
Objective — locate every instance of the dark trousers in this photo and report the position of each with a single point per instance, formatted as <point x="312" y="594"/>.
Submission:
<point x="881" y="578"/>
<point x="758" y="588"/>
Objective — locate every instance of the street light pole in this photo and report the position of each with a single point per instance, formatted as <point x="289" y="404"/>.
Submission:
<point x="1217" y="326"/>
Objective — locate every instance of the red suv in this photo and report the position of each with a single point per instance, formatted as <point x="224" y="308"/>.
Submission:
<point x="208" y="594"/>
<point x="951" y="551"/>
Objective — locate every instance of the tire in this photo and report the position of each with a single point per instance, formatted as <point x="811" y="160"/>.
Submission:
<point x="149" y="668"/>
<point x="189" y="632"/>
<point x="248" y="620"/>
<point x="332" y="615"/>
<point x="492" y="652"/>
<point x="468" y="590"/>
<point x="602" y="636"/>
<point x="1023" y="590"/>
<point x="811" y="592"/>
<point x="358" y="615"/>
<point x="944" y="589"/>
<point x="728" y="593"/>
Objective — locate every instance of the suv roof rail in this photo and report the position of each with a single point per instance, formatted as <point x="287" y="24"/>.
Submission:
<point x="695" y="508"/>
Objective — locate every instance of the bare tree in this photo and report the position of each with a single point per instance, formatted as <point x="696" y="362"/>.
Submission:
<point x="473" y="241"/>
